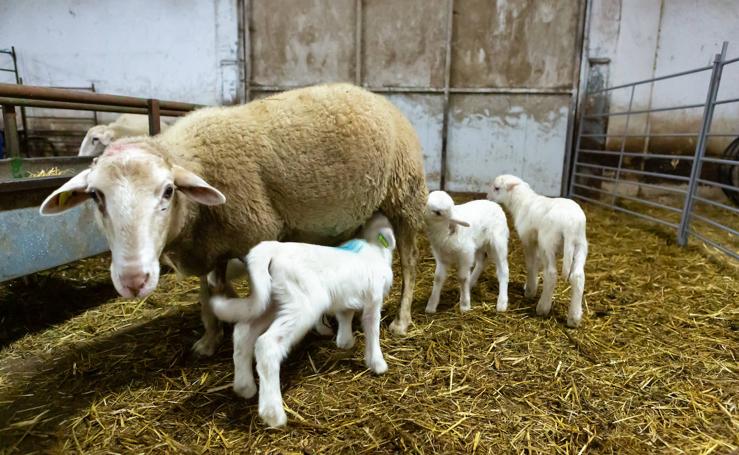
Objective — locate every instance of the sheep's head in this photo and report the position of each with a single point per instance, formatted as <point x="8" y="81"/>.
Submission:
<point x="97" y="138"/>
<point x="440" y="209"/>
<point x="140" y="206"/>
<point x="500" y="190"/>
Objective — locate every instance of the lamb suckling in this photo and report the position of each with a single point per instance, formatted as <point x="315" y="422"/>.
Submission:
<point x="547" y="226"/>
<point x="292" y="286"/>
<point x="464" y="236"/>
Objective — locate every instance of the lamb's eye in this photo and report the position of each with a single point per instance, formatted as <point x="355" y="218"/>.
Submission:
<point x="95" y="141"/>
<point x="437" y="212"/>
<point x="168" y="192"/>
<point x="497" y="188"/>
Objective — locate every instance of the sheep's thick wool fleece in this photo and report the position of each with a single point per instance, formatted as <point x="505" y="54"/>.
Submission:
<point x="308" y="165"/>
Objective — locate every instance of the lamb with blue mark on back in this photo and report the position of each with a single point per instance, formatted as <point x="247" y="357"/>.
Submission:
<point x="293" y="286"/>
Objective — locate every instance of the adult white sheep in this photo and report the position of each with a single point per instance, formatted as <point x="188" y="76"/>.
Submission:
<point x="546" y="226"/>
<point x="466" y="235"/>
<point x="127" y="125"/>
<point x="309" y="165"/>
<point x="292" y="286"/>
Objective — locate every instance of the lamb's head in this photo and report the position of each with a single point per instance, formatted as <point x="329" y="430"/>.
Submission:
<point x="503" y="185"/>
<point x="440" y="210"/>
<point x="97" y="138"/>
<point x="142" y="201"/>
<point x="378" y="230"/>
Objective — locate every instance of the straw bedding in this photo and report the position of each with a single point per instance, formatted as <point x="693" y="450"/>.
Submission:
<point x="654" y="368"/>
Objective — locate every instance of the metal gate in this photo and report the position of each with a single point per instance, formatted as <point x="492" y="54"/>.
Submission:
<point x="612" y="170"/>
<point x="489" y="86"/>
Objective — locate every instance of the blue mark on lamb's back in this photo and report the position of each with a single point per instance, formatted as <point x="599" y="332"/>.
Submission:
<point x="353" y="245"/>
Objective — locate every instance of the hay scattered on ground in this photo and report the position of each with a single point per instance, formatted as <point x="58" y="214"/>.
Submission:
<point x="654" y="367"/>
<point x="51" y="172"/>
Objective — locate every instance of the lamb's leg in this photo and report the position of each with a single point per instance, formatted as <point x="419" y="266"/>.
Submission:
<point x="550" y="281"/>
<point x="213" y="335"/>
<point x="371" y="325"/>
<point x="463" y="273"/>
<point x="345" y="337"/>
<point x="439" y="279"/>
<point x="244" y="337"/>
<point x="577" y="281"/>
<point x="532" y="269"/>
<point x="323" y="327"/>
<point x="270" y="350"/>
<point x="480" y="262"/>
<point x="501" y="270"/>
<point x="408" y="250"/>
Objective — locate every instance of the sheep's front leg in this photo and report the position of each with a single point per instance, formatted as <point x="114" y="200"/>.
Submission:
<point x="439" y="279"/>
<point x="463" y="273"/>
<point x="345" y="337"/>
<point x="371" y="324"/>
<point x="550" y="281"/>
<point x="532" y="269"/>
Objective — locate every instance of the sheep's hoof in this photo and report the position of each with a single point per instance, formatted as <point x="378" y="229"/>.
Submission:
<point x="529" y="293"/>
<point x="398" y="328"/>
<point x="273" y="416"/>
<point x="245" y="390"/>
<point x="206" y="345"/>
<point x="542" y="309"/>
<point x="378" y="366"/>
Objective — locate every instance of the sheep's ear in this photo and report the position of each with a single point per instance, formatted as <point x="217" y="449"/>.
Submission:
<point x="69" y="195"/>
<point x="386" y="238"/>
<point x="196" y="188"/>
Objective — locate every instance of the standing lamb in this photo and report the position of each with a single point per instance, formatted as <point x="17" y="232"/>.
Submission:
<point x="292" y="286"/>
<point x="127" y="125"/>
<point x="309" y="165"/>
<point x="483" y="235"/>
<point x="546" y="226"/>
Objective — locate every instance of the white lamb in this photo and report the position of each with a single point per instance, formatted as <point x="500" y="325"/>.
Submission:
<point x="546" y="226"/>
<point x="293" y="285"/>
<point x="126" y="125"/>
<point x="483" y="235"/>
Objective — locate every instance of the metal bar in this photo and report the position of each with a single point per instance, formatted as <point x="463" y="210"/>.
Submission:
<point x="717" y="204"/>
<point x="722" y="135"/>
<point x="631" y="212"/>
<point x="247" y="50"/>
<point x="654" y="79"/>
<point x="358" y="42"/>
<point x="38" y="183"/>
<point x="728" y="62"/>
<point x="700" y="147"/>
<point x="721" y="161"/>
<point x="85" y="107"/>
<point x="644" y="111"/>
<point x="714" y="244"/>
<point x="606" y="135"/>
<point x="571" y="189"/>
<point x="642" y="155"/>
<point x="154" y="120"/>
<point x="623" y="144"/>
<point x="726" y="101"/>
<point x="715" y="224"/>
<point x="7" y="70"/>
<point x="447" y="83"/>
<point x="94" y="113"/>
<point x="632" y="198"/>
<point x="53" y="94"/>
<point x="630" y="182"/>
<point x="434" y="90"/>
<point x="717" y="184"/>
<point x="633" y="171"/>
<point x="10" y="126"/>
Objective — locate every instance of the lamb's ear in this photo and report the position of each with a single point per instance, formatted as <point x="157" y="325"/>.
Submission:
<point x="510" y="185"/>
<point x="196" y="188"/>
<point x="386" y="237"/>
<point x="69" y="195"/>
<point x="459" y="222"/>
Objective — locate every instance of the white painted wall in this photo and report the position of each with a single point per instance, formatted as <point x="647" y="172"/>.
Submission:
<point x="180" y="50"/>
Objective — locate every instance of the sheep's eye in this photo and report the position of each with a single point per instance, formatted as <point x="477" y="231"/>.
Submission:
<point x="95" y="140"/>
<point x="168" y="192"/>
<point x="94" y="196"/>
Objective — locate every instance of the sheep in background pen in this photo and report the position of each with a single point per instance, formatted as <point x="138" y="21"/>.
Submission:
<point x="292" y="286"/>
<point x="310" y="165"/>
<point x="466" y="235"/>
<point x="126" y="125"/>
<point x="546" y="226"/>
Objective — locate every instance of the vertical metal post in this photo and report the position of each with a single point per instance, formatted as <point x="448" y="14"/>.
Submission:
<point x="10" y="126"/>
<point x="447" y="83"/>
<point x="94" y="113"/>
<point x="576" y="154"/>
<point x="700" y="147"/>
<point x="358" y="43"/>
<point x="247" y="50"/>
<point x="623" y="146"/>
<point x="154" y="121"/>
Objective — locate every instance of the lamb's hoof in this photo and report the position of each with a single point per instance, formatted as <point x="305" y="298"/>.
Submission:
<point x="501" y="306"/>
<point x="378" y="366"/>
<point x="398" y="328"/>
<point x="543" y="310"/>
<point x="323" y="328"/>
<point x="464" y="308"/>
<point x="573" y="322"/>
<point x="206" y="345"/>
<point x="430" y="309"/>
<point x="273" y="416"/>
<point x="345" y="344"/>
<point x="245" y="390"/>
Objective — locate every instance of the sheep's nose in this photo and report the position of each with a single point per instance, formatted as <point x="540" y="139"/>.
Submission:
<point x="134" y="282"/>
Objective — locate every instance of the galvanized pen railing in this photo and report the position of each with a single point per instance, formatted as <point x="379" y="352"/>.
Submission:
<point x="601" y="175"/>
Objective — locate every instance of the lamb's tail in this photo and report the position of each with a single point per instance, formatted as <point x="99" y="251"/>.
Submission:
<point x="575" y="251"/>
<point x="241" y="310"/>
